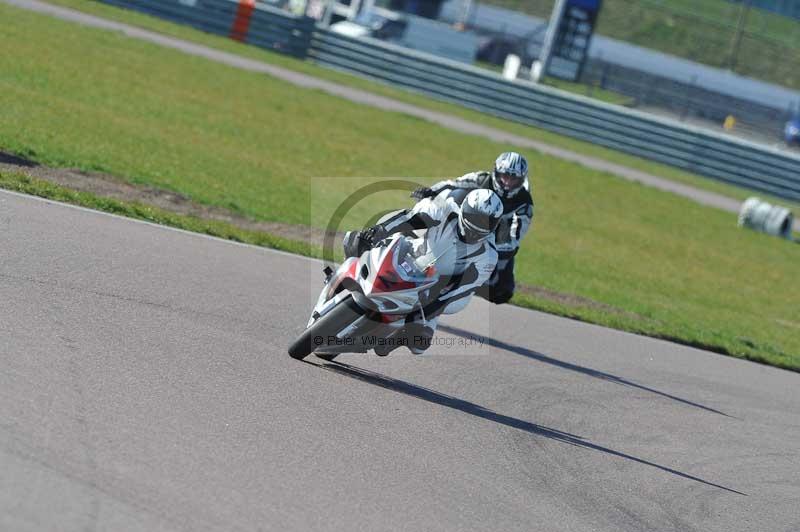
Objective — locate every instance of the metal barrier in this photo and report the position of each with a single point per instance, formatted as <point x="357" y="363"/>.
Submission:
<point x="689" y="101"/>
<point x="213" y="16"/>
<point x="274" y="29"/>
<point x="252" y="22"/>
<point x="666" y="141"/>
<point x="727" y="159"/>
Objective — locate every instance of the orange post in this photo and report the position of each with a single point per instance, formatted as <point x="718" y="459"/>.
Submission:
<point x="242" y="21"/>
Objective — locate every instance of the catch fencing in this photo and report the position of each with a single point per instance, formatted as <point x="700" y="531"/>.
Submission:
<point x="687" y="100"/>
<point x="695" y="150"/>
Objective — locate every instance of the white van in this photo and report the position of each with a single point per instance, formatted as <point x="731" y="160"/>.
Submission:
<point x="414" y="32"/>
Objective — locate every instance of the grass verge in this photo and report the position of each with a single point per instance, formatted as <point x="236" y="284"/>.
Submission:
<point x="19" y="182"/>
<point x="408" y="96"/>
<point x="702" y="31"/>
<point x="656" y="263"/>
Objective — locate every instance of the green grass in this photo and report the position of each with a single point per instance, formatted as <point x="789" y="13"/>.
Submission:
<point x="71" y="96"/>
<point x="698" y="30"/>
<point x="19" y="182"/>
<point x="222" y="43"/>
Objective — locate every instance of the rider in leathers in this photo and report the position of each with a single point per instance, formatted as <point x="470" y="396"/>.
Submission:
<point x="462" y="239"/>
<point x="509" y="179"/>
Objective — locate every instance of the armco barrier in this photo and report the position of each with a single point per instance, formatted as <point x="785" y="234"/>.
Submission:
<point x="213" y="16"/>
<point x="248" y="21"/>
<point x="692" y="149"/>
<point x="666" y="141"/>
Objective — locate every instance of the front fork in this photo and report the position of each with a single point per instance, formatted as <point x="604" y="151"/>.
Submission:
<point x="373" y="323"/>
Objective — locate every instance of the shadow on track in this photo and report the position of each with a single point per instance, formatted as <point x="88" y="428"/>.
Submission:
<point x="574" y="367"/>
<point x="467" y="407"/>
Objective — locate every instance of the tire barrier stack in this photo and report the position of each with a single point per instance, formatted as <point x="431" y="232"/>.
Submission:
<point x="766" y="218"/>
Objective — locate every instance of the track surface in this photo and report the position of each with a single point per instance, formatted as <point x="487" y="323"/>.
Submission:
<point x="701" y="196"/>
<point x="144" y="385"/>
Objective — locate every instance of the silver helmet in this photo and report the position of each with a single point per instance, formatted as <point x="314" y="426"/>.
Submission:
<point x="480" y="213"/>
<point x="510" y="174"/>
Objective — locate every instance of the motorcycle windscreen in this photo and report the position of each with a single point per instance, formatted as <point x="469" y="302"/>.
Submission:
<point x="400" y="269"/>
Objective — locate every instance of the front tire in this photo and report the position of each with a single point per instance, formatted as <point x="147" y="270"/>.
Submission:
<point x="345" y="313"/>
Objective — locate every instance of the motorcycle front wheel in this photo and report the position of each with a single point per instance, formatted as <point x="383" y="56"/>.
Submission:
<point x="345" y="313"/>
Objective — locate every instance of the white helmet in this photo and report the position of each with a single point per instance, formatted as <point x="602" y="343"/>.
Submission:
<point x="510" y="173"/>
<point x="480" y="213"/>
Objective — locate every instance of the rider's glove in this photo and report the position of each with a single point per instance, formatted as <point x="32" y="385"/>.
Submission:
<point x="357" y="242"/>
<point x="371" y="236"/>
<point x="422" y="192"/>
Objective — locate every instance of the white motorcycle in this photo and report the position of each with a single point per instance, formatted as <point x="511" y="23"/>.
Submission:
<point x="365" y="302"/>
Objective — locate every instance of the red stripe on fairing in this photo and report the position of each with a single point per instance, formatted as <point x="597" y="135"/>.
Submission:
<point x="387" y="279"/>
<point x="351" y="270"/>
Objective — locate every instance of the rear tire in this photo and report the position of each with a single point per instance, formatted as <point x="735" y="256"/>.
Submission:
<point x="345" y="313"/>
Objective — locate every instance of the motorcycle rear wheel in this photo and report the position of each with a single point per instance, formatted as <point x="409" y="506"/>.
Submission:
<point x="345" y="313"/>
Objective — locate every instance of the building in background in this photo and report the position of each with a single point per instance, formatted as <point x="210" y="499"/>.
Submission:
<point x="421" y="8"/>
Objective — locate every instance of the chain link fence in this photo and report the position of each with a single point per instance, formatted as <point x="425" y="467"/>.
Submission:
<point x="719" y="33"/>
<point x="689" y="102"/>
<point x="729" y="35"/>
<point x="735" y="35"/>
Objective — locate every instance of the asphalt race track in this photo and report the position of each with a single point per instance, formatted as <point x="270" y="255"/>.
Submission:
<point x="145" y="385"/>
